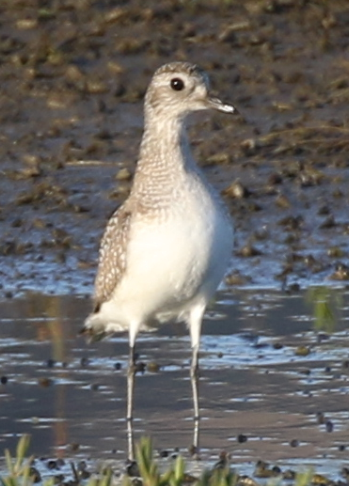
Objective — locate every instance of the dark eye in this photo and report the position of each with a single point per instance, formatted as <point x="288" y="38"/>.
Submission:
<point x="177" y="84"/>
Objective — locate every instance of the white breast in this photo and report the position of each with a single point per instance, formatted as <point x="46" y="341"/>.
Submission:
<point x="174" y="259"/>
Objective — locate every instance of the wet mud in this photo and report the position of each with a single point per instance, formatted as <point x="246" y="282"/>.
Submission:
<point x="274" y="365"/>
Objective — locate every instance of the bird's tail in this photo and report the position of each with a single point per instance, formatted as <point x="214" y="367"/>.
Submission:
<point x="94" y="328"/>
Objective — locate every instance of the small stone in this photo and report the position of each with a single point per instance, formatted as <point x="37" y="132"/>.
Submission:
<point x="163" y="453"/>
<point x="341" y="273"/>
<point x="320" y="417"/>
<point x="140" y="367"/>
<point x="335" y="252"/>
<point x="59" y="478"/>
<point x="220" y="158"/>
<point x="249" y="146"/>
<point x="274" y="179"/>
<point x="236" y="191"/>
<point x="26" y="24"/>
<point x="289" y="475"/>
<point x="84" y="474"/>
<point x="34" y="474"/>
<point x="249" y="251"/>
<point x="235" y="278"/>
<point x="302" y="351"/>
<point x="96" y="86"/>
<point x="73" y="447"/>
<point x="132" y="469"/>
<point x="227" y="35"/>
<point x="328" y="223"/>
<point x="282" y="202"/>
<point x="123" y="175"/>
<point x="294" y="287"/>
<point x="116" y="14"/>
<point x="45" y="382"/>
<point x="84" y="362"/>
<point x="153" y="367"/>
<point x="324" y="211"/>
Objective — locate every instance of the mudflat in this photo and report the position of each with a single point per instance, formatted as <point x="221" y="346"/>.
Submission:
<point x="73" y="76"/>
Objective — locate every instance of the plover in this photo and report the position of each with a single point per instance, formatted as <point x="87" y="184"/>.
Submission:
<point x="166" y="248"/>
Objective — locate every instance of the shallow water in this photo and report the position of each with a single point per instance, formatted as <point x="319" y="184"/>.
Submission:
<point x="70" y="395"/>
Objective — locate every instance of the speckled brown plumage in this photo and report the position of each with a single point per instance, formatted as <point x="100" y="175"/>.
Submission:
<point x="112" y="255"/>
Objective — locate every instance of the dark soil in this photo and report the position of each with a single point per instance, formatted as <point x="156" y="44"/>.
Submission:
<point x="73" y="75"/>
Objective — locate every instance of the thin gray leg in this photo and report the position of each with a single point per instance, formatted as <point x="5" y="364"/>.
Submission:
<point x="194" y="377"/>
<point x="130" y="389"/>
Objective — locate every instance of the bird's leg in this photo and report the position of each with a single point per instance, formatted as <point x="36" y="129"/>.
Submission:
<point x="130" y="388"/>
<point x="195" y="320"/>
<point x="194" y="377"/>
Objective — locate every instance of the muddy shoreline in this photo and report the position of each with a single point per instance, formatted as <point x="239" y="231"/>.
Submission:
<point x="73" y="76"/>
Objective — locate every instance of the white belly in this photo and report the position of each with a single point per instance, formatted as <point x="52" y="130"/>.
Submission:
<point x="174" y="261"/>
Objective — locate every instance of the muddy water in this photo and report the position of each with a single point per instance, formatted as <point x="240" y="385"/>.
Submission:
<point x="271" y="362"/>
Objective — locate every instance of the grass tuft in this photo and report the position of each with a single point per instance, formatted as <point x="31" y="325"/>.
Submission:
<point x="20" y="472"/>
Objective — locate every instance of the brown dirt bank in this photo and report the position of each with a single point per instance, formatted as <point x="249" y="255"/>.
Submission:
<point x="72" y="79"/>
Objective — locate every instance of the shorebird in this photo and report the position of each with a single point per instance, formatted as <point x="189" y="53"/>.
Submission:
<point x="166" y="248"/>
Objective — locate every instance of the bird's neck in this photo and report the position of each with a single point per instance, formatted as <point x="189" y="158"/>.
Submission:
<point x="165" y="159"/>
<point x="164" y="146"/>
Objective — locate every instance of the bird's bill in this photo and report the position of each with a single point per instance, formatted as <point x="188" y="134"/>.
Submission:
<point x="217" y="104"/>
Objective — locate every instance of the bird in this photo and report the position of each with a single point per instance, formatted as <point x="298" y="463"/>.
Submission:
<point x="166" y="249"/>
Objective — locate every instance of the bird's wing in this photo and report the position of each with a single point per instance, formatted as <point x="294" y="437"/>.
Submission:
<point x="112" y="255"/>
